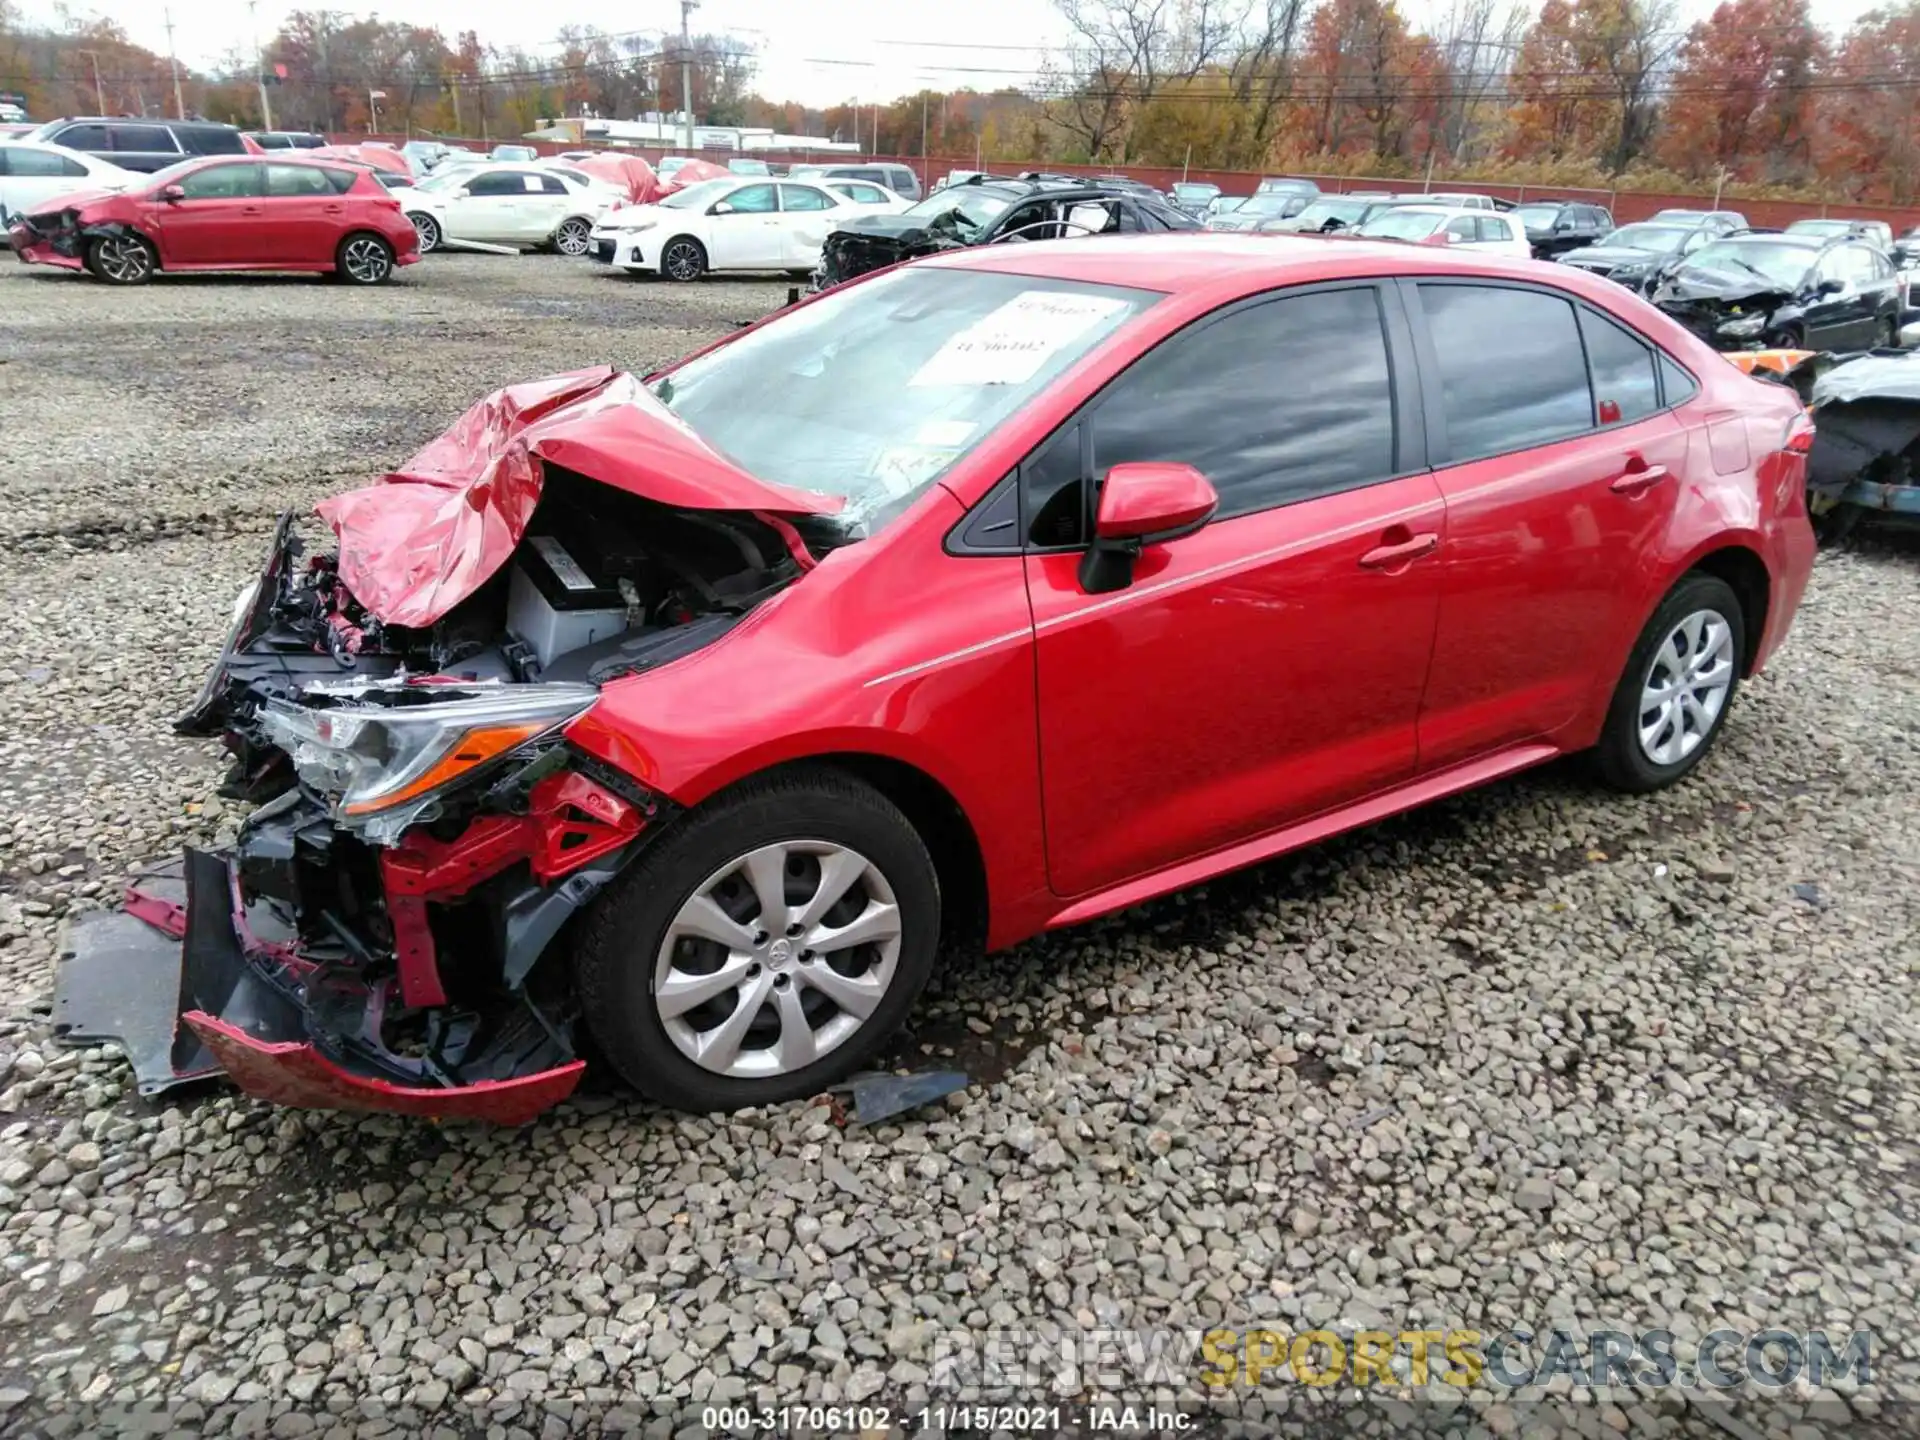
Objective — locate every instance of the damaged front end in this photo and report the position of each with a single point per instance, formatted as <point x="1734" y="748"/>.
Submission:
<point x="57" y="236"/>
<point x="1742" y="319"/>
<point x="385" y="931"/>
<point x="848" y="254"/>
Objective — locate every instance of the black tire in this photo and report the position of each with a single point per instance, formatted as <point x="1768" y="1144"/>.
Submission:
<point x="1835" y="522"/>
<point x="1787" y="337"/>
<point x="121" y="259"/>
<point x="683" y="259"/>
<point x="428" y="229"/>
<point x="621" y="939"/>
<point x="363" y="258"/>
<point x="1619" y="757"/>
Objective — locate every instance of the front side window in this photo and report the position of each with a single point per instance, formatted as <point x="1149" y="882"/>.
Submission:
<point x="84" y="137"/>
<point x="1403" y="224"/>
<point x="1494" y="227"/>
<point x="210" y="140"/>
<point x="1625" y="386"/>
<point x="222" y="182"/>
<point x="294" y="180"/>
<point x="1226" y="397"/>
<point x="1512" y="372"/>
<point x="753" y="200"/>
<point x="500" y="182"/>
<point x="874" y="391"/>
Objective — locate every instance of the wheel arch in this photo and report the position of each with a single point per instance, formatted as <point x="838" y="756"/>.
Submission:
<point x="120" y="230"/>
<point x="1746" y="574"/>
<point x="932" y="810"/>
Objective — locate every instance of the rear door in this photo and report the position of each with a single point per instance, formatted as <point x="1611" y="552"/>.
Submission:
<point x="301" y="216"/>
<point x="1558" y="486"/>
<point x="807" y="213"/>
<point x="1270" y="665"/>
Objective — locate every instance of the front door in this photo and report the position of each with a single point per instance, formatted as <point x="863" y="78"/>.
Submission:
<point x="217" y="220"/>
<point x="488" y="208"/>
<point x="1269" y="666"/>
<point x="1557" y="484"/>
<point x="746" y="235"/>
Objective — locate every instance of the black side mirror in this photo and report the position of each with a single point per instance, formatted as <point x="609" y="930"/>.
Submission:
<point x="1830" y="287"/>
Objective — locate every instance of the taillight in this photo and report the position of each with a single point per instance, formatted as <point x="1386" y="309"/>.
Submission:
<point x="1799" y="438"/>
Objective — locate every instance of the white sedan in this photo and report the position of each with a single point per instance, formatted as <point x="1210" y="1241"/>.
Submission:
<point x="32" y="172"/>
<point x="741" y="223"/>
<point x="515" y="205"/>
<point x="1448" y="225"/>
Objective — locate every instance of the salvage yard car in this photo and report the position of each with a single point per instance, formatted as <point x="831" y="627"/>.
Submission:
<point x="31" y="173"/>
<point x="1555" y="226"/>
<point x="1786" y="292"/>
<point x="286" y="213"/>
<point x="1441" y="225"/>
<point x="734" y="224"/>
<point x="524" y="206"/>
<point x="977" y="598"/>
<point x="993" y="212"/>
<point x="1640" y="256"/>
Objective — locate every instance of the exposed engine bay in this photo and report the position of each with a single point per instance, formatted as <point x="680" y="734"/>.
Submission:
<point x="421" y="830"/>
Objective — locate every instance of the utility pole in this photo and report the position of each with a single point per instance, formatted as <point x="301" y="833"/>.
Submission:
<point x="259" y="68"/>
<point x="99" y="93"/>
<point x="179" y="105"/>
<point x="457" y="128"/>
<point x="687" y="7"/>
<point x="926" y="175"/>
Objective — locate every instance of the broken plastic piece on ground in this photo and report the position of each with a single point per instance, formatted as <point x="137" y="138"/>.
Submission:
<point x="878" y="1096"/>
<point x="1811" y="894"/>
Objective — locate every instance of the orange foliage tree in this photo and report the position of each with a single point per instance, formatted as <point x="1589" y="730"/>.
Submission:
<point x="1740" y="100"/>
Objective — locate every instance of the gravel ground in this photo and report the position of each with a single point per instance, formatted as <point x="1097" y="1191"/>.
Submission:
<point x="1538" y="1056"/>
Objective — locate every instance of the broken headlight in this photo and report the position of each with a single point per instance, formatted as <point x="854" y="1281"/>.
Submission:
<point x="385" y="763"/>
<point x="1745" y="327"/>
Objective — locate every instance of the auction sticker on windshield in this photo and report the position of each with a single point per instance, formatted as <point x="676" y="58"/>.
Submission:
<point x="1009" y="345"/>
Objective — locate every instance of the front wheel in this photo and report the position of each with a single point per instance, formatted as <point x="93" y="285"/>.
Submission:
<point x="684" y="259"/>
<point x="574" y="236"/>
<point x="363" y="260"/>
<point x="1679" y="684"/>
<point x="121" y="260"/>
<point x="766" y="948"/>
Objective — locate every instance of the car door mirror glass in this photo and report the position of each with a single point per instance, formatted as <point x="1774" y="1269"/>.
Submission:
<point x="721" y="207"/>
<point x="1830" y="286"/>
<point x="171" y="193"/>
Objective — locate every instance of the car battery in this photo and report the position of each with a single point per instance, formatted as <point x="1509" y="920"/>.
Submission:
<point x="554" y="605"/>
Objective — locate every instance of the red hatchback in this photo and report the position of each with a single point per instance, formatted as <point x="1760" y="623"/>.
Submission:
<point x="981" y="596"/>
<point x="226" y="213"/>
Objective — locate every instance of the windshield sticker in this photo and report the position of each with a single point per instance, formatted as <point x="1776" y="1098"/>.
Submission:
<point x="1008" y="346"/>
<point x="902" y="468"/>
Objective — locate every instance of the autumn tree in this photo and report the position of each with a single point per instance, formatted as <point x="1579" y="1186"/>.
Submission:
<point x="1367" y="84"/>
<point x="1741" y="100"/>
<point x="1587" y="77"/>
<point x="1869" y="126"/>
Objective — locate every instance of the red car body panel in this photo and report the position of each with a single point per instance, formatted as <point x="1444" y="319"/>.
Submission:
<point x="1112" y="747"/>
<point x="426" y="536"/>
<point x="262" y="232"/>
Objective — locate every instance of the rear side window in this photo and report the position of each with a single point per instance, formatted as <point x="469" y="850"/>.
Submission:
<point x="271" y="141"/>
<point x="143" y="139"/>
<point x="297" y="180"/>
<point x="1227" y="399"/>
<point x="1511" y="368"/>
<point x="1675" y="384"/>
<point x="1462" y="229"/>
<point x="1626" y="386"/>
<point x="1494" y="227"/>
<point x="803" y="197"/>
<point x="209" y="140"/>
<point x="547" y="184"/>
<point x="498" y="182"/>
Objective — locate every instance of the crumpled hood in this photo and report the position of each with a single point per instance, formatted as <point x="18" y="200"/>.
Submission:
<point x="1719" y="287"/>
<point x="421" y="539"/>
<point x="1870" y="377"/>
<point x="74" y="200"/>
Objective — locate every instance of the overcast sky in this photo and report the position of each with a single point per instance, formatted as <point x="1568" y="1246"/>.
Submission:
<point x="820" y="52"/>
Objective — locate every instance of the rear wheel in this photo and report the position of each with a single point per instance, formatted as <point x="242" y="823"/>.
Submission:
<point x="766" y="948"/>
<point x="363" y="259"/>
<point x="574" y="236"/>
<point x="684" y="259"/>
<point x="1883" y="334"/>
<point x="1678" y="686"/>
<point x="122" y="259"/>
<point x="428" y="229"/>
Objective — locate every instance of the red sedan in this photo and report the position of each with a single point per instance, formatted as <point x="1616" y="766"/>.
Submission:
<point x="226" y="213"/>
<point x="982" y="596"/>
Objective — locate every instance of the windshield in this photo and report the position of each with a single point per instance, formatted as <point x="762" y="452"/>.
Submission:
<point x="1403" y="224"/>
<point x="1536" y="217"/>
<point x="1781" y="266"/>
<point x="1819" y="227"/>
<point x="1345" y="211"/>
<point x="170" y="175"/>
<point x="970" y="208"/>
<point x="1194" y="191"/>
<point x="1273" y="202"/>
<point x="703" y="193"/>
<point x="1648" y="237"/>
<point x="874" y="391"/>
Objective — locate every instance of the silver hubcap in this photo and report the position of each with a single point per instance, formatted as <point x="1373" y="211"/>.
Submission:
<point x="683" y="261"/>
<point x="366" y="260"/>
<point x="777" y="958"/>
<point x="1686" y="687"/>
<point x="123" y="259"/>
<point x="573" y="238"/>
<point x="428" y="232"/>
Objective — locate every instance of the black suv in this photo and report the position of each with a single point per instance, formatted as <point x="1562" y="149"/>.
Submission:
<point x="147" y="145"/>
<point x="987" y="211"/>
<point x="1786" y="291"/>
<point x="1556" y="226"/>
<point x="287" y="139"/>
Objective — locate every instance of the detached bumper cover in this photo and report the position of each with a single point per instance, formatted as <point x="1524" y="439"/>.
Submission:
<point x="192" y="984"/>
